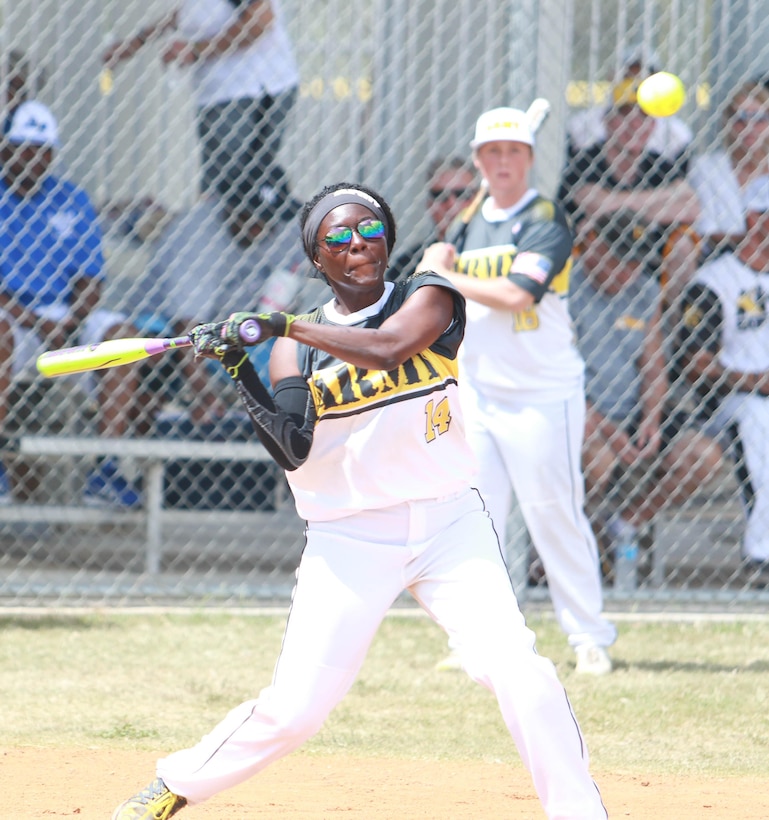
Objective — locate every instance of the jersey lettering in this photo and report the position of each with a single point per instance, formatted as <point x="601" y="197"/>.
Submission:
<point x="525" y="320"/>
<point x="344" y="389"/>
<point x="485" y="265"/>
<point x="751" y="309"/>
<point x="438" y="419"/>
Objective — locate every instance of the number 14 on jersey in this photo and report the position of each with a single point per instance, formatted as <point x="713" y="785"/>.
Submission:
<point x="438" y="418"/>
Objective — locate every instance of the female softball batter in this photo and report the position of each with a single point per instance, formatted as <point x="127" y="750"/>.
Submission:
<point x="366" y="421"/>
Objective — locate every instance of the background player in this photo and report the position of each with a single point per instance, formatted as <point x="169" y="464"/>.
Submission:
<point x="367" y="423"/>
<point x="522" y="376"/>
<point x="724" y="352"/>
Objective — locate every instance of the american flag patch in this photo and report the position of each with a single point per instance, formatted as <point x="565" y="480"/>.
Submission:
<point x="533" y="265"/>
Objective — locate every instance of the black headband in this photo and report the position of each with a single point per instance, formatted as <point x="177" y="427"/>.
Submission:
<point x="324" y="206"/>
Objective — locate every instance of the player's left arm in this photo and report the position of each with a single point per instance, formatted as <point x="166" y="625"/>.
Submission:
<point x="417" y="325"/>
<point x="544" y="244"/>
<point x="500" y="293"/>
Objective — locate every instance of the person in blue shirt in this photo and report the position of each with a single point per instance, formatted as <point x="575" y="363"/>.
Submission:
<point x="51" y="273"/>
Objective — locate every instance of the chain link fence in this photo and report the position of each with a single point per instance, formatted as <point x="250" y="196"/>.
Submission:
<point x="143" y="483"/>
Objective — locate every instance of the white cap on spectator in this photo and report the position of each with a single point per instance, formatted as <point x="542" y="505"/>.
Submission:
<point x="508" y="124"/>
<point x="32" y="123"/>
<point x="755" y="197"/>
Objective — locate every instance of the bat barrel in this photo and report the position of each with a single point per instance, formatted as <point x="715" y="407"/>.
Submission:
<point x="101" y="355"/>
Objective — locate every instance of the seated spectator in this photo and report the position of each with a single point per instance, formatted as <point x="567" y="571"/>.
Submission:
<point x="51" y="270"/>
<point x="724" y="353"/>
<point x="640" y="452"/>
<point x="629" y="165"/>
<point x="223" y="254"/>
<point x="670" y="138"/>
<point x="451" y="186"/>
<point x="720" y="177"/>
<point x="622" y="166"/>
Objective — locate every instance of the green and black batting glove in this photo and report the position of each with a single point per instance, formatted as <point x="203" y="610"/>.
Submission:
<point x="208" y="340"/>
<point x="253" y="328"/>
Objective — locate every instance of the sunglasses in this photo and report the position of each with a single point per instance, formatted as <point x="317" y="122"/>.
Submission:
<point x="337" y="239"/>
<point x="446" y="193"/>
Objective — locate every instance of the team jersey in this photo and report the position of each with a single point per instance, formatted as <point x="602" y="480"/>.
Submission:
<point x="725" y="310"/>
<point x="532" y="351"/>
<point x="383" y="437"/>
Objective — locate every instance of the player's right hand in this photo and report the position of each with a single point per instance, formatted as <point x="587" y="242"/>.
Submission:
<point x="208" y="340"/>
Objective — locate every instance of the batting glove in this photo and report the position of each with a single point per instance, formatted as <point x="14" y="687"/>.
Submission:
<point x="253" y="328"/>
<point x="208" y="342"/>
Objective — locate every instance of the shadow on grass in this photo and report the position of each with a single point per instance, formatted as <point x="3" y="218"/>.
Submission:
<point x="69" y="623"/>
<point x="698" y="667"/>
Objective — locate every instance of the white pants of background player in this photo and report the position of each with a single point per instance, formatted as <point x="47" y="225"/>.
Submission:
<point x="750" y="413"/>
<point x="535" y="450"/>
<point x="446" y="554"/>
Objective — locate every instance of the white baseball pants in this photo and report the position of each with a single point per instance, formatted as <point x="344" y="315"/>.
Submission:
<point x="750" y="412"/>
<point x="446" y="554"/>
<point x="535" y="449"/>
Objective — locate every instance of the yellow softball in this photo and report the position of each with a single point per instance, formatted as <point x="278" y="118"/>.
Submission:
<point x="661" y="94"/>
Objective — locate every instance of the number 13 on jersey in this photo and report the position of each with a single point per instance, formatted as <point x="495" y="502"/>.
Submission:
<point x="437" y="417"/>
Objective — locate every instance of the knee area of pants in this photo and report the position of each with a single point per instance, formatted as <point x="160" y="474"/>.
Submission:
<point x="515" y="669"/>
<point x="296" y="719"/>
<point x="297" y="727"/>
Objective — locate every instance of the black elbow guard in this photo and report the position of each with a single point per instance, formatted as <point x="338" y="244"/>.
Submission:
<point x="285" y="424"/>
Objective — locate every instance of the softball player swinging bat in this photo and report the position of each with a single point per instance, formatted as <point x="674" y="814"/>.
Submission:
<point x="365" y="420"/>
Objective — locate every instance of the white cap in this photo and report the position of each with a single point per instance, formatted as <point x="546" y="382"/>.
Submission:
<point x="755" y="197"/>
<point x="32" y="123"/>
<point x="508" y="124"/>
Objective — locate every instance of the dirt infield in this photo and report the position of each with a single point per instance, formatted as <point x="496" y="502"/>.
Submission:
<point x="49" y="783"/>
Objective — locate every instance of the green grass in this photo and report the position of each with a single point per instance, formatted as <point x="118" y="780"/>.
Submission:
<point x="687" y="697"/>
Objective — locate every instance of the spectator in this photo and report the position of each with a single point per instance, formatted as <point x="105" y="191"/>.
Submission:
<point x="19" y="81"/>
<point x="245" y="78"/>
<point x="240" y="250"/>
<point x="51" y="270"/>
<point x="451" y="185"/>
<point x="630" y="166"/>
<point x="624" y="167"/>
<point x="522" y="375"/>
<point x="720" y="177"/>
<point x="640" y="452"/>
<point x="669" y="138"/>
<point x="724" y="353"/>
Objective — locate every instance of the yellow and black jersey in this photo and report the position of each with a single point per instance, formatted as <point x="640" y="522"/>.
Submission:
<point x="383" y="437"/>
<point x="725" y="310"/>
<point x="532" y="350"/>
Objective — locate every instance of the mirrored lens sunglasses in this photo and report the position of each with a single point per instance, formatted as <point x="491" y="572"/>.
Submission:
<point x="339" y="238"/>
